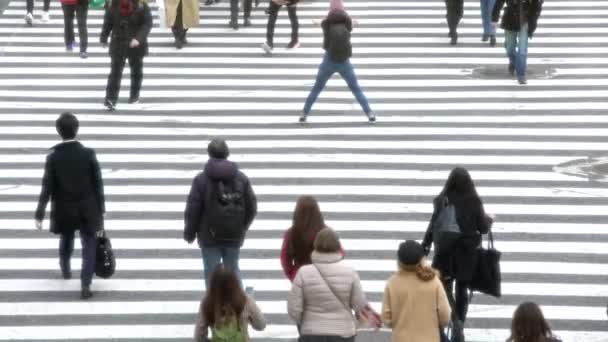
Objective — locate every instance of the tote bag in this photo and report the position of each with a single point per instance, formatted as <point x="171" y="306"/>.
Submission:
<point x="487" y="277"/>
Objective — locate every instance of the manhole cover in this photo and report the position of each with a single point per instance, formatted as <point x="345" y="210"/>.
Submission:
<point x="593" y="169"/>
<point x="499" y="72"/>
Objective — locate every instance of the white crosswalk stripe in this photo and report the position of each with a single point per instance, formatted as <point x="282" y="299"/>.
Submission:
<point x="438" y="107"/>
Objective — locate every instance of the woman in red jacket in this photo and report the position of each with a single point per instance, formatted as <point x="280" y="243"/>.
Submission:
<point x="298" y="240"/>
<point x="80" y="9"/>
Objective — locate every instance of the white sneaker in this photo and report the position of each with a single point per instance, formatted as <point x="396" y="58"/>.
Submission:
<point x="29" y="19"/>
<point x="267" y="48"/>
<point x="45" y="17"/>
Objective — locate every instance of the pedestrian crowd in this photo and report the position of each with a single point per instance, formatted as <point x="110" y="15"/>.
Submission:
<point x="327" y="301"/>
<point x="127" y="23"/>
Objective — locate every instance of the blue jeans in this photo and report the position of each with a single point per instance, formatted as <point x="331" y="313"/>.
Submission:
<point x="516" y="44"/>
<point x="486" y="16"/>
<point x="215" y="255"/>
<point x="326" y="70"/>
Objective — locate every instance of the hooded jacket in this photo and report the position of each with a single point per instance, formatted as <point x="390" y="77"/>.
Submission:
<point x="335" y="17"/>
<point x="195" y="215"/>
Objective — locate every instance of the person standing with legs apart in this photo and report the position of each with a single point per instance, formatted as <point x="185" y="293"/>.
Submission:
<point x="234" y="13"/>
<point x="457" y="206"/>
<point x="275" y="6"/>
<point x="29" y="14"/>
<point x="519" y="22"/>
<point x="129" y="22"/>
<point x="80" y="8"/>
<point x="489" y="30"/>
<point x="221" y="206"/>
<point x="72" y="181"/>
<point x="454" y="13"/>
<point x="181" y="15"/>
<point x="338" y="50"/>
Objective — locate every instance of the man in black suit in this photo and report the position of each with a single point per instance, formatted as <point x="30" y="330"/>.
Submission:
<point x="72" y="180"/>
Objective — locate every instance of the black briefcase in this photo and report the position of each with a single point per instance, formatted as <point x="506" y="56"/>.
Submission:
<point x="487" y="277"/>
<point x="105" y="262"/>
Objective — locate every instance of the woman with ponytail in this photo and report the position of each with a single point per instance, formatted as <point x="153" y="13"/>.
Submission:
<point x="415" y="305"/>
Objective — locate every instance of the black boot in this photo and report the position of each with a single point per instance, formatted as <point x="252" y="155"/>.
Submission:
<point x="457" y="331"/>
<point x="208" y="2"/>
<point x="85" y="292"/>
<point x="454" y="38"/>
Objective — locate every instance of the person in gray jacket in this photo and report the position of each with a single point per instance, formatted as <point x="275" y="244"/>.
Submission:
<point x="332" y="291"/>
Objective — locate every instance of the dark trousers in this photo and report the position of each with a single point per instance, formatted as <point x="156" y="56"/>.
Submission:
<point x="234" y="10"/>
<point x="179" y="32"/>
<point x="80" y="10"/>
<point x="454" y="12"/>
<point x="460" y="302"/>
<point x="89" y="249"/>
<point x="272" y="20"/>
<point x="29" y="4"/>
<point x="136" y="64"/>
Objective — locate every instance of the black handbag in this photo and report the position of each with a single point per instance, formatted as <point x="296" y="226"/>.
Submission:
<point x="487" y="278"/>
<point x="105" y="262"/>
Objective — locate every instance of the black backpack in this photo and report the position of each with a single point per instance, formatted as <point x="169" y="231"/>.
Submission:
<point x="105" y="262"/>
<point x="225" y="210"/>
<point x="338" y="42"/>
<point x="446" y="231"/>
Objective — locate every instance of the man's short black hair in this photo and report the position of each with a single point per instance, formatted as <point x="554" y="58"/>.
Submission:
<point x="218" y="149"/>
<point x="67" y="126"/>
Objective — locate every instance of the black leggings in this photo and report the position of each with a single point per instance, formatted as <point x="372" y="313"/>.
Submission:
<point x="460" y="304"/>
<point x="454" y="12"/>
<point x="272" y="20"/>
<point x="80" y="10"/>
<point x="29" y="5"/>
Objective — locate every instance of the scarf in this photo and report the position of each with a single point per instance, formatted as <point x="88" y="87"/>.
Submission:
<point x="125" y="8"/>
<point x="336" y="5"/>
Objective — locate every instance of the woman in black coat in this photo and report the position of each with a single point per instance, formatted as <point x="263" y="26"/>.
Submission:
<point x="459" y="262"/>
<point x="130" y="23"/>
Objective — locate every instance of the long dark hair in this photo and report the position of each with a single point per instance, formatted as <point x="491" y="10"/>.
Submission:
<point x="307" y="222"/>
<point x="225" y="297"/>
<point x="459" y="183"/>
<point x="529" y="324"/>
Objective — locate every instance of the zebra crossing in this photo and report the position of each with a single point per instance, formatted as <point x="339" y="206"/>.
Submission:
<point x="438" y="106"/>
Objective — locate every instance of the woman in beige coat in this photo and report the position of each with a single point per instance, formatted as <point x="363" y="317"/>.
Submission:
<point x="325" y="294"/>
<point x="181" y="15"/>
<point x="415" y="305"/>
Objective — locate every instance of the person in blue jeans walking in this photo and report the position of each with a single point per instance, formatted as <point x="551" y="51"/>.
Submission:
<point x="221" y="206"/>
<point x="519" y="22"/>
<point x="338" y="50"/>
<point x="489" y="30"/>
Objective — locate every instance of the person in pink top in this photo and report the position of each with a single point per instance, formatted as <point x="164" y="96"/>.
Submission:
<point x="299" y="238"/>
<point x="79" y="8"/>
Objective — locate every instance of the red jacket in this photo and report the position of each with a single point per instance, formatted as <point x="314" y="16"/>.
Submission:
<point x="289" y="268"/>
<point x="69" y="2"/>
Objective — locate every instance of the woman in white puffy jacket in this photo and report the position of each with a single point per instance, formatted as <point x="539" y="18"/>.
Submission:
<point x="333" y="295"/>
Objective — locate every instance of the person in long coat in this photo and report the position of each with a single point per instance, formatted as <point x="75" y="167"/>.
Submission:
<point x="72" y="182"/>
<point x="181" y="15"/>
<point x="458" y="263"/>
<point x="129" y="22"/>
